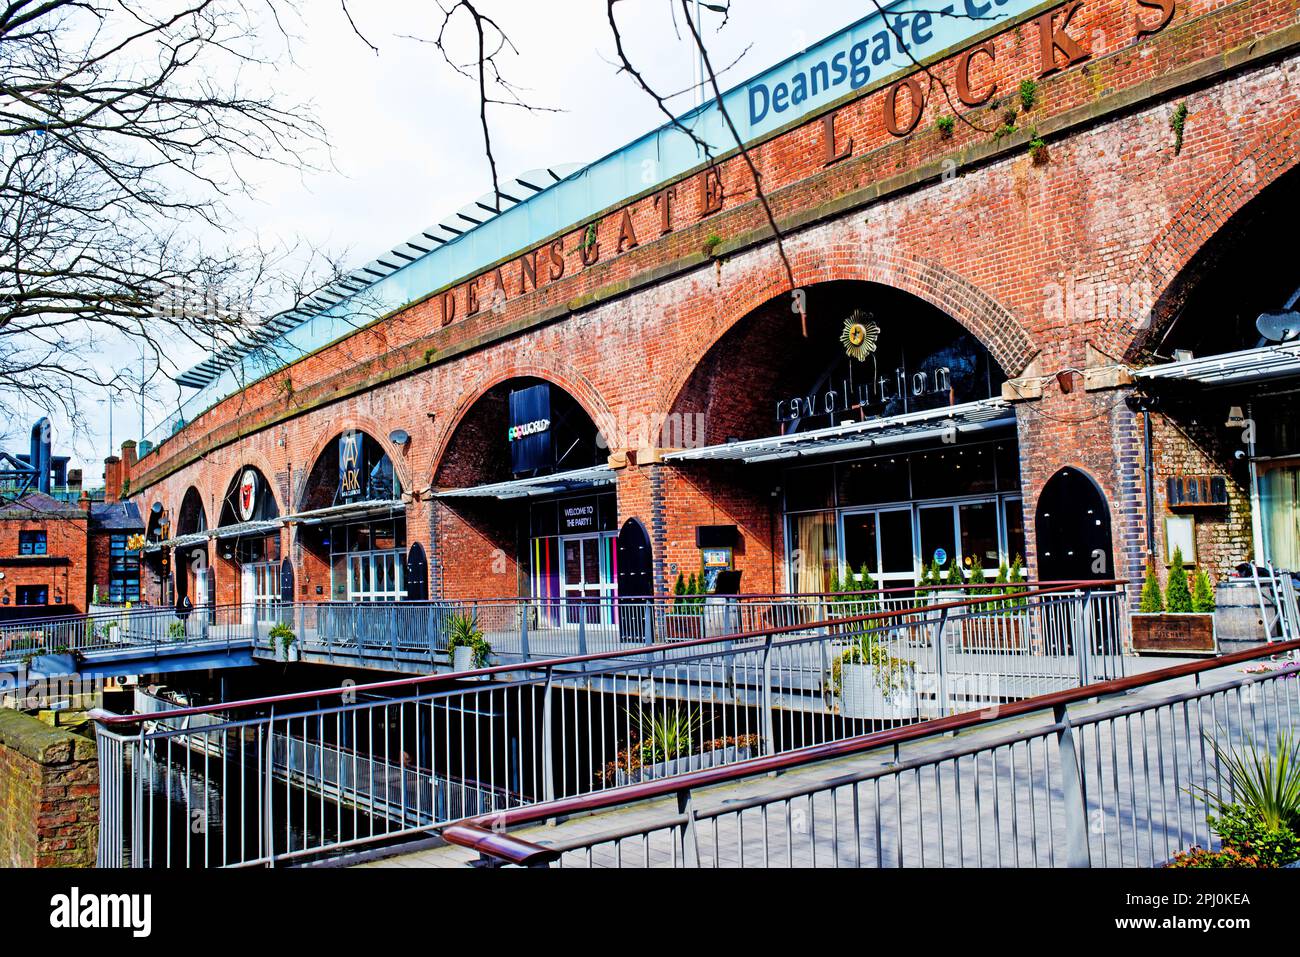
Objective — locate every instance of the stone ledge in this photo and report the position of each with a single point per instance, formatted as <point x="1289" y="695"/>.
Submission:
<point x="41" y="743"/>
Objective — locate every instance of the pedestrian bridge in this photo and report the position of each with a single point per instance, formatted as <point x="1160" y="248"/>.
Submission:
<point x="413" y="637"/>
<point x="300" y="776"/>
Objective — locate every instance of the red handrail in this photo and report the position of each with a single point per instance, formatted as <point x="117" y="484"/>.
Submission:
<point x="552" y="663"/>
<point x="486" y="832"/>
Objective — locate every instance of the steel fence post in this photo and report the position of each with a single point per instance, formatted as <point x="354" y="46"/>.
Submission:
<point x="940" y="662"/>
<point x="1078" y="637"/>
<point x="548" y="737"/>
<point x="525" y="608"/>
<point x="689" y="838"/>
<point x="1075" y="812"/>
<point x="267" y="837"/>
<point x="768" y="721"/>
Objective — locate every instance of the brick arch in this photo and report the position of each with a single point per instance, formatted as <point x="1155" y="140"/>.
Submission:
<point x="246" y="458"/>
<point x="557" y="373"/>
<point x="355" y="423"/>
<point x="180" y="504"/>
<point x="992" y="323"/>
<point x="1169" y="269"/>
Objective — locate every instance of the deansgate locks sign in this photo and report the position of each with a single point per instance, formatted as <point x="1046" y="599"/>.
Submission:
<point x="891" y="45"/>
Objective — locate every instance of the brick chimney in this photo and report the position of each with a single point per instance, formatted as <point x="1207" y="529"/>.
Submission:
<point x="112" y="478"/>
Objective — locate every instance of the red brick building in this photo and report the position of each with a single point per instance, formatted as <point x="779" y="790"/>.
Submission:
<point x="57" y="557"/>
<point x="1046" y="227"/>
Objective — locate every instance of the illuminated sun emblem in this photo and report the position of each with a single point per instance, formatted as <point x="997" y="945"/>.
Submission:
<point x="859" y="335"/>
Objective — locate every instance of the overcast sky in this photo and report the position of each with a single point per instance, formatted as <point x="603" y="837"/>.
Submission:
<point x="404" y="129"/>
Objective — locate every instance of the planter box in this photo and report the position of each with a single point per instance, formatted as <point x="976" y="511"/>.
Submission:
<point x="683" y="626"/>
<point x="682" y="765"/>
<point x="462" y="658"/>
<point x="1173" y="634"/>
<point x="279" y="654"/>
<point x="861" y="696"/>
<point x="993" y="634"/>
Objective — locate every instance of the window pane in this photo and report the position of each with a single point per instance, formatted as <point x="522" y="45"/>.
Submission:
<point x="808" y="489"/>
<point x="860" y="542"/>
<point x="974" y="470"/>
<point x="1014" y="510"/>
<point x="896" y="546"/>
<point x="1007" y="456"/>
<point x="1279" y="493"/>
<point x="874" y="481"/>
<point x="814" y="553"/>
<point x="937" y="535"/>
<point x="591" y="561"/>
<point x="572" y="562"/>
<point x="979" y="534"/>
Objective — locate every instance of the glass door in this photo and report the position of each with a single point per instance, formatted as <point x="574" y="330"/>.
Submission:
<point x="376" y="576"/>
<point x="586" y="572"/>
<point x="260" y="583"/>
<point x="882" y="540"/>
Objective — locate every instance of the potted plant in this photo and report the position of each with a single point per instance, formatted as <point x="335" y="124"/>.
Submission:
<point x="176" y="631"/>
<point x="684" y="621"/>
<point x="872" y="683"/>
<point x="467" y="649"/>
<point x="1257" y="816"/>
<point x="1177" y="622"/>
<point x="998" y="625"/>
<point x="283" y="642"/>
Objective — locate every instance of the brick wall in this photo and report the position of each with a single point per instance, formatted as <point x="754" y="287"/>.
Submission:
<point x="62" y="570"/>
<point x="970" y="225"/>
<point x="49" y="795"/>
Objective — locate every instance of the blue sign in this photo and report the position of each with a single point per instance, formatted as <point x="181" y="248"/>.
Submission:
<point x="529" y="435"/>
<point x="941" y="556"/>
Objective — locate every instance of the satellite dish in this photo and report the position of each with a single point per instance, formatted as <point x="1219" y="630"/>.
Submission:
<point x="1279" y="326"/>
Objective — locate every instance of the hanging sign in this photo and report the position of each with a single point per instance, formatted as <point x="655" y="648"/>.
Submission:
<point x="529" y="434"/>
<point x="852" y="397"/>
<point x="350" y="466"/>
<point x="246" y="495"/>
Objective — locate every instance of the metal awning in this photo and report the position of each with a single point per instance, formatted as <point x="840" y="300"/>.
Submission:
<point x="1231" y="368"/>
<point x="542" y="485"/>
<point x="246" y="528"/>
<point x="912" y="426"/>
<point x="343" y="512"/>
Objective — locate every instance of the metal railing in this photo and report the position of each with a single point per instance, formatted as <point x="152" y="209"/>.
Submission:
<point x="136" y="627"/>
<point x="1043" y="782"/>
<point x="517" y="629"/>
<point x="531" y="732"/>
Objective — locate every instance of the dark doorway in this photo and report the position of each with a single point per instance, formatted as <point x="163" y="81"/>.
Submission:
<point x="1073" y="529"/>
<point x="286" y="582"/>
<point x="635" y="579"/>
<point x="417" y="574"/>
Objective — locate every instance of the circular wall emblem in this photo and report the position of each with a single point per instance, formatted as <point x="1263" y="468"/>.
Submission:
<point x="246" y="495"/>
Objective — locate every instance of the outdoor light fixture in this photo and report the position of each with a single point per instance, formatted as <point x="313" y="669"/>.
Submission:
<point x="400" y="437"/>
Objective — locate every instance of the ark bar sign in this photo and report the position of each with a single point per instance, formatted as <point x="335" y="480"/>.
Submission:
<point x="878" y="56"/>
